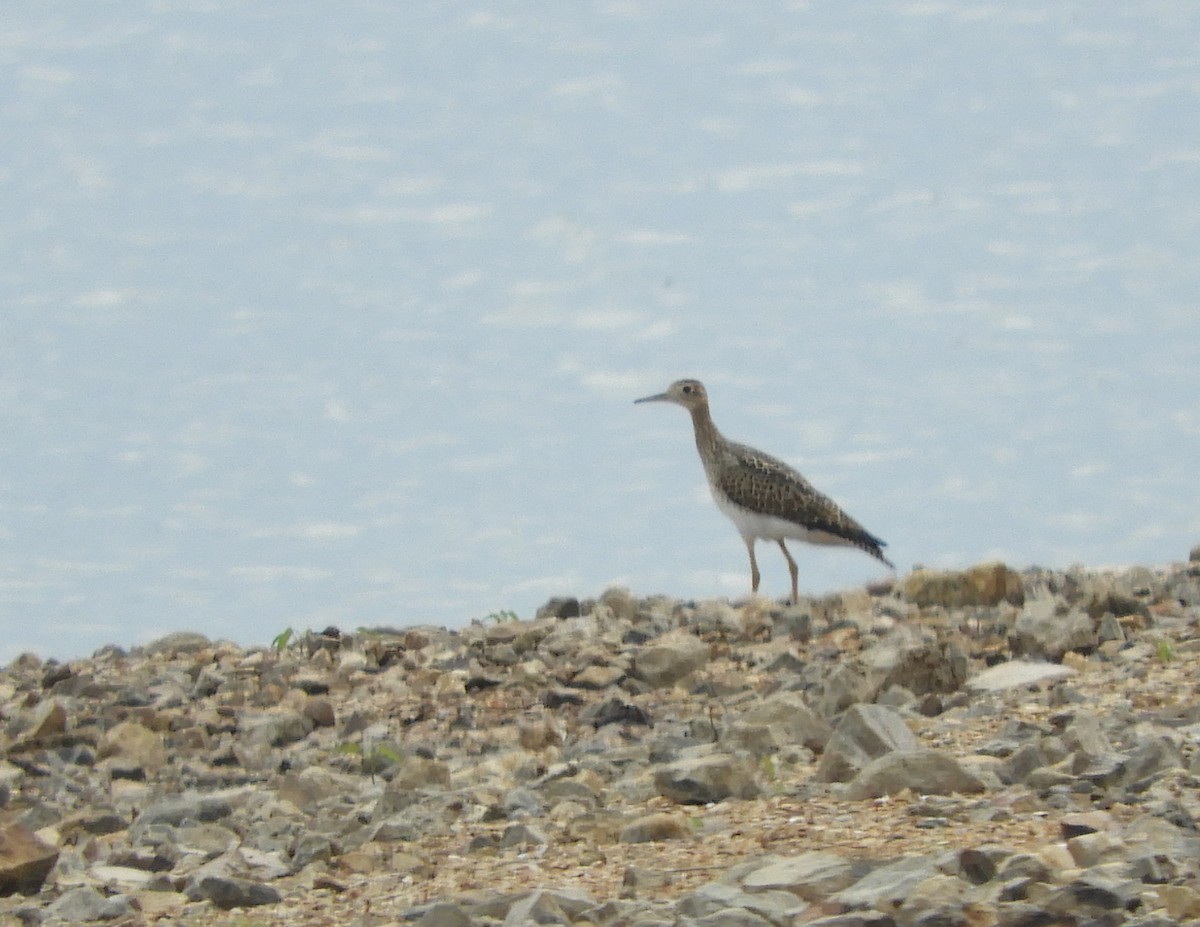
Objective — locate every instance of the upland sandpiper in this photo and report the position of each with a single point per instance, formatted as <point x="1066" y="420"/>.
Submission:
<point x="763" y="496"/>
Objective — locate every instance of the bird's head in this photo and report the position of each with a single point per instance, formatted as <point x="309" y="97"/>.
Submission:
<point x="687" y="393"/>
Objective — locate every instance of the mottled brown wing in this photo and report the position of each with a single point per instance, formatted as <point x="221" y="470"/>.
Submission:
<point x="763" y="483"/>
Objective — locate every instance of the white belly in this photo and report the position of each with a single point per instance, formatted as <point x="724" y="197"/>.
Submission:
<point x="756" y="525"/>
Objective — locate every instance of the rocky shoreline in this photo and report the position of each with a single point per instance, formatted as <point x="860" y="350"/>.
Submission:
<point x="977" y="747"/>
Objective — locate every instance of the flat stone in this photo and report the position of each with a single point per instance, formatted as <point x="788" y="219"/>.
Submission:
<point x="25" y="860"/>
<point x="1017" y="674"/>
<point x="886" y="887"/>
<point x="733" y="917"/>
<point x="775" y="906"/>
<point x="925" y="772"/>
<point x="597" y="677"/>
<point x="811" y="876"/>
<point x="187" y="807"/>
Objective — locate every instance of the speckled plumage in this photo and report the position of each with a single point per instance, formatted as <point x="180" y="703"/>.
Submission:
<point x="762" y="495"/>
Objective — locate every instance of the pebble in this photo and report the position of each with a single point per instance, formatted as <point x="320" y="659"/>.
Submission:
<point x="197" y="775"/>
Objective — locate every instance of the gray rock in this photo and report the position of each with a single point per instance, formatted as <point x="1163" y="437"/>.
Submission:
<point x="844" y="686"/>
<point x="1093" y="893"/>
<point x="83" y="904"/>
<point x="227" y="892"/>
<point x="1022" y="763"/>
<point x="716" y="618"/>
<point x="187" y="807"/>
<point x="811" y="876"/>
<point x="918" y="661"/>
<point x="310" y="848"/>
<point x="926" y="772"/>
<point x="408" y="774"/>
<point x="1150" y="758"/>
<point x="733" y="917"/>
<point x="547" y="907"/>
<point x="703" y="779"/>
<point x="669" y="659"/>
<point x="621" y="602"/>
<point x="1084" y="735"/>
<point x="886" y="887"/>
<point x="858" y="919"/>
<point x="444" y="914"/>
<point x="522" y="835"/>
<point x="598" y="676"/>
<point x="864" y="733"/>
<point x="794" y="722"/>
<point x="421" y="818"/>
<point x="208" y="840"/>
<point x="1016" y="674"/>
<point x="1042" y="630"/>
<point x="777" y="906"/>
<point x="1090" y="850"/>
<point x="940" y="899"/>
<point x="275" y="728"/>
<point x="178" y="642"/>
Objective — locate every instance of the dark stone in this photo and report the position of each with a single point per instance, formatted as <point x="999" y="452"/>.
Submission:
<point x="615" y="711"/>
<point x="560" y="607"/>
<point x="977" y="866"/>
<point x="556" y="698"/>
<point x="226" y="892"/>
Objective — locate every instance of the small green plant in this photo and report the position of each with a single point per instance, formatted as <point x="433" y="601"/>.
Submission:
<point x="373" y="760"/>
<point x="768" y="767"/>
<point x="280" y="640"/>
<point x="1166" y="653"/>
<point x="501" y="617"/>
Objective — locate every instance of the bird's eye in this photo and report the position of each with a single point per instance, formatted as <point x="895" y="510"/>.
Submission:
<point x="687" y="390"/>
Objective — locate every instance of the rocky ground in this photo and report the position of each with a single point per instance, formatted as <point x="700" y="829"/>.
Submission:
<point x="984" y="747"/>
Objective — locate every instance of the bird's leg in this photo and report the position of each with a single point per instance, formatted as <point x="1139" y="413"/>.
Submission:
<point x="754" y="575"/>
<point x="791" y="569"/>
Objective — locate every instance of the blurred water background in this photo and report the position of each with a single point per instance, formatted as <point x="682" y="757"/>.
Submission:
<point x="316" y="314"/>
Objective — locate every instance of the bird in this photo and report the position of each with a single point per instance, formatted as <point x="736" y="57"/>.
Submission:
<point x="764" y="497"/>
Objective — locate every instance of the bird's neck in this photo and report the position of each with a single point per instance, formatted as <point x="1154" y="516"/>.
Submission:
<point x="708" y="439"/>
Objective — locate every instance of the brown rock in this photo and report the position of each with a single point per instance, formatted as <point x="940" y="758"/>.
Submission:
<point x="49" y="720"/>
<point x="133" y="744"/>
<point x="653" y="827"/>
<point x="985" y="584"/>
<point x="25" y="860"/>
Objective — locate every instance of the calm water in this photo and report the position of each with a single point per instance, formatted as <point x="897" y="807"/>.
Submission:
<point x="311" y="317"/>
